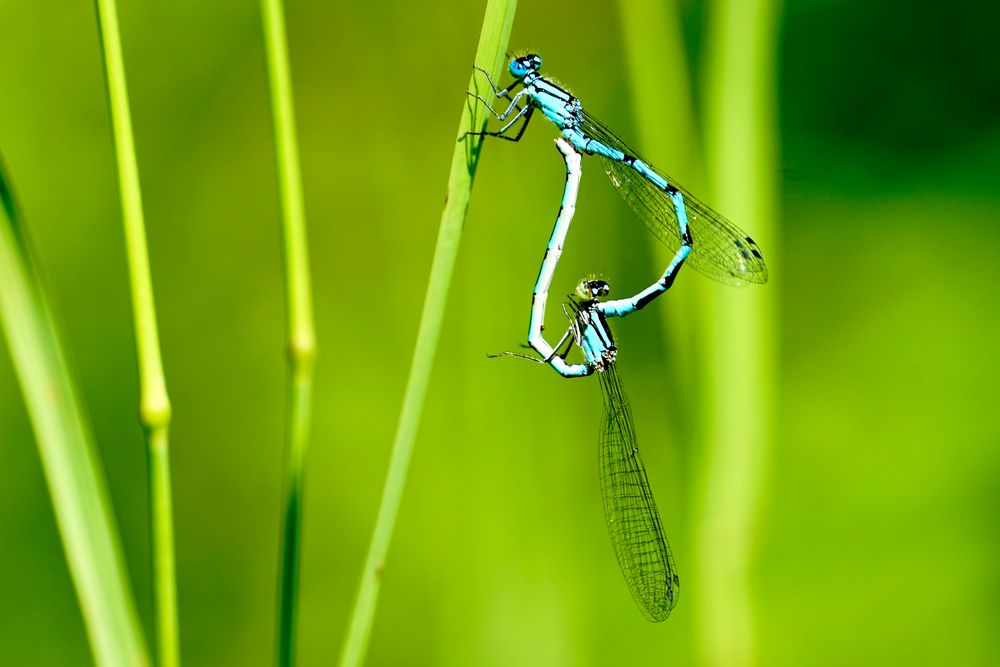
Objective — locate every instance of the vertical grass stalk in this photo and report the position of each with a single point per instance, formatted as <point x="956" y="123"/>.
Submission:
<point x="741" y="389"/>
<point x="298" y="318"/>
<point x="154" y="404"/>
<point x="493" y="41"/>
<point x="663" y="107"/>
<point x="66" y="446"/>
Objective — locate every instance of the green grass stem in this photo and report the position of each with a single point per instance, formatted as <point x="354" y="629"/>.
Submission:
<point x="298" y="318"/>
<point x="657" y="68"/>
<point x="742" y="375"/>
<point x="154" y="404"/>
<point x="493" y="41"/>
<point x="66" y="446"/>
<point x="663" y="108"/>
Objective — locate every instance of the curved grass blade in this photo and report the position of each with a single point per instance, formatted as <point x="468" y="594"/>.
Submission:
<point x="66" y="446"/>
<point x="721" y="250"/>
<point x="633" y="521"/>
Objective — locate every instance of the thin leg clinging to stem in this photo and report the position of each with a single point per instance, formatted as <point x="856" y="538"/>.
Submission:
<point x="497" y="114"/>
<point x="510" y="108"/>
<point x="522" y="112"/>
<point x="525" y="114"/>
<point x="499" y="93"/>
<point x="549" y="262"/>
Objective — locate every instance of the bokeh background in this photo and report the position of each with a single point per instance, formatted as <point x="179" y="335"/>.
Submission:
<point x="878" y="539"/>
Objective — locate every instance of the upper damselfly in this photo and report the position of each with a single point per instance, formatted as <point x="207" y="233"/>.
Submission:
<point x="720" y="250"/>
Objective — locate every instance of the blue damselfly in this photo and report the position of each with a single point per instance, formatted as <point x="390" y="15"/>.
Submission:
<point x="720" y="250"/>
<point x="630" y="512"/>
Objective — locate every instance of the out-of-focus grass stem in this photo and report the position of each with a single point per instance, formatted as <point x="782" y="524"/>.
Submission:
<point x="493" y="41"/>
<point x="663" y="107"/>
<point x="741" y="387"/>
<point x="154" y="404"/>
<point x="658" y="76"/>
<point x="65" y="444"/>
<point x="298" y="318"/>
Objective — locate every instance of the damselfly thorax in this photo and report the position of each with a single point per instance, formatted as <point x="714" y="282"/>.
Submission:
<point x="593" y="335"/>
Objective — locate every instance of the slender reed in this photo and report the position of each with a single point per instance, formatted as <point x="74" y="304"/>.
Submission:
<point x="66" y="446"/>
<point x="154" y="404"/>
<point x="298" y="318"/>
<point x="663" y="108"/>
<point x="742" y="375"/>
<point x="657" y="68"/>
<point x="493" y="41"/>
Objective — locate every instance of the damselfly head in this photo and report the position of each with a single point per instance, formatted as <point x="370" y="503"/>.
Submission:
<point x="592" y="289"/>
<point x="520" y="66"/>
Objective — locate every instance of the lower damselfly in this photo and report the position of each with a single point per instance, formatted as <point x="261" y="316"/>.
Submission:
<point x="629" y="510"/>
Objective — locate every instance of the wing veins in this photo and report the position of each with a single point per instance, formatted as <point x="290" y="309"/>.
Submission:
<point x="629" y="509"/>
<point x="721" y="250"/>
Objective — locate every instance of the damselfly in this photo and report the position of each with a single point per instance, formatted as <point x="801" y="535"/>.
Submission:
<point x="633" y="521"/>
<point x="720" y="250"/>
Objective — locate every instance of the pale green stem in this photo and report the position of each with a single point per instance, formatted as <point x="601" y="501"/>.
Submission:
<point x="65" y="444"/>
<point x="658" y="75"/>
<point x="492" y="44"/>
<point x="742" y="374"/>
<point x="298" y="318"/>
<point x="164" y="566"/>
<point x="663" y="108"/>
<point x="154" y="404"/>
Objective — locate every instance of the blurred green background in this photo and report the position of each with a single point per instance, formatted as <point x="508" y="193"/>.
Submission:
<point x="879" y="540"/>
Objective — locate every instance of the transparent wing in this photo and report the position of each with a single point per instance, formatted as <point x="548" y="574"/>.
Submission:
<point x="633" y="522"/>
<point x="721" y="250"/>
